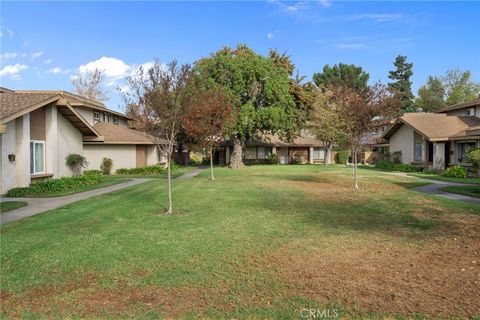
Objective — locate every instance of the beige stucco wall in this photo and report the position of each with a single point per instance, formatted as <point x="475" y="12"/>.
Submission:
<point x="402" y="140"/>
<point x="69" y="141"/>
<point x="152" y="155"/>
<point x="123" y="156"/>
<point x="439" y="156"/>
<point x="86" y="113"/>
<point x="9" y="169"/>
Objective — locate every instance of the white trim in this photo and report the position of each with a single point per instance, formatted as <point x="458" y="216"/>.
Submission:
<point x="33" y="160"/>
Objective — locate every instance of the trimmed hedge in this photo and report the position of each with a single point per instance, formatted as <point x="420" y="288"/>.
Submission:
<point x="155" y="169"/>
<point x="90" y="177"/>
<point x="455" y="172"/>
<point x="403" y="167"/>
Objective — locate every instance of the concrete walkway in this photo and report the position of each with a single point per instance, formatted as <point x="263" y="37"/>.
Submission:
<point x="435" y="185"/>
<point x="39" y="205"/>
<point x="192" y="173"/>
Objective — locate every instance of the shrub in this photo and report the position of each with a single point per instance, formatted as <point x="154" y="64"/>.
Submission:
<point x="106" y="165"/>
<point x="342" y="157"/>
<point x="389" y="165"/>
<point x="91" y="177"/>
<point x="474" y="157"/>
<point x="155" y="169"/>
<point x="455" y="172"/>
<point x="76" y="162"/>
<point x="195" y="158"/>
<point x="272" y="158"/>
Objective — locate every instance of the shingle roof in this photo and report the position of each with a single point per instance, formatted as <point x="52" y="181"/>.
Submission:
<point x="116" y="134"/>
<point x="435" y="126"/>
<point x="471" y="103"/>
<point x="12" y="102"/>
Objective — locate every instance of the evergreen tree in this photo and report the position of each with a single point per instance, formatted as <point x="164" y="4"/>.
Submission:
<point x="431" y="96"/>
<point x="402" y="84"/>
<point x="342" y="75"/>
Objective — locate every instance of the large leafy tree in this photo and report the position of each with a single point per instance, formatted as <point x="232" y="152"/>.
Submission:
<point x="431" y="96"/>
<point x="260" y="89"/>
<point x="402" y="85"/>
<point x="342" y="75"/>
<point x="459" y="86"/>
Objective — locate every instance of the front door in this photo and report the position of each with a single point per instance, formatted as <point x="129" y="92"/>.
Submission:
<point x="141" y="158"/>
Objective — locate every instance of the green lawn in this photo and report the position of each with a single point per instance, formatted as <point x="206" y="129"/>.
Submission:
<point x="11" y="205"/>
<point x="440" y="177"/>
<point x="264" y="242"/>
<point x="473" y="191"/>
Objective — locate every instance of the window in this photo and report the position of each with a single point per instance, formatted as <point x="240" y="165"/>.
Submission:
<point x="115" y="120"/>
<point x="470" y="111"/>
<point x="462" y="151"/>
<point x="37" y="157"/>
<point x="251" y="153"/>
<point x="418" y="156"/>
<point x="109" y="117"/>
<point x="96" y="117"/>
<point x="375" y="130"/>
<point x="318" y="154"/>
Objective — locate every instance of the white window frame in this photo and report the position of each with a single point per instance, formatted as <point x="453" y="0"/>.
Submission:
<point x="319" y="151"/>
<point x="421" y="154"/>
<point x="116" y="120"/>
<point x="470" y="111"/>
<point x="35" y="172"/>
<point x="96" y="119"/>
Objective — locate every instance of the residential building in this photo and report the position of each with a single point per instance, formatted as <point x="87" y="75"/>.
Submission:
<point x="302" y="150"/>
<point x="40" y="128"/>
<point x="434" y="141"/>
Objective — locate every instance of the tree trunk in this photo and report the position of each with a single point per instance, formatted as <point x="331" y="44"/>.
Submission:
<point x="169" y="175"/>
<point x="211" y="163"/>
<point x="328" y="152"/>
<point x="355" y="176"/>
<point x="236" y="157"/>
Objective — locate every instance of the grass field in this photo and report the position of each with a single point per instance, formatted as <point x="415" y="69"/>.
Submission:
<point x="11" y="205"/>
<point x="264" y="242"/>
<point x="473" y="191"/>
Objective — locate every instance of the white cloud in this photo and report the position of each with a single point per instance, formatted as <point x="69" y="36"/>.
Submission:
<point x="36" y="55"/>
<point x="8" y="55"/>
<point x="4" y="31"/>
<point x="58" y="70"/>
<point x="12" y="70"/>
<point x="115" y="70"/>
<point x="48" y="61"/>
<point x="291" y="7"/>
<point x="270" y="35"/>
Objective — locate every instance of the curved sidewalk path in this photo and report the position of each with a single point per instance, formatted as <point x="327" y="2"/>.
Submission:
<point x="39" y="205"/>
<point x="435" y="185"/>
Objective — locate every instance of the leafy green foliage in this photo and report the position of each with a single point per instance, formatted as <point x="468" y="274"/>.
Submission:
<point x="402" y="85"/>
<point x="474" y="157"/>
<point x="431" y="96"/>
<point x="346" y="75"/>
<point x="342" y="156"/>
<point x="106" y="166"/>
<point x="272" y="158"/>
<point x="155" y="169"/>
<point x="455" y="172"/>
<point x="389" y="165"/>
<point x="259" y="87"/>
<point x="76" y="162"/>
<point x="58" y="185"/>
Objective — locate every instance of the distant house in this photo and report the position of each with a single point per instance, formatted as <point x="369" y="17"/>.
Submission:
<point x="302" y="150"/>
<point x="40" y="128"/>
<point x="373" y="146"/>
<point x="437" y="140"/>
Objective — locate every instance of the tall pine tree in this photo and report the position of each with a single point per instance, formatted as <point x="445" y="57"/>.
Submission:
<point x="402" y="84"/>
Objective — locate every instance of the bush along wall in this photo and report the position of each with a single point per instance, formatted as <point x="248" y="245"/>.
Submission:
<point x="155" y="169"/>
<point x="90" y="177"/>
<point x="389" y="165"/>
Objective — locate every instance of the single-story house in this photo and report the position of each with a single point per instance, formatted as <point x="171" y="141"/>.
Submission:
<point x="435" y="141"/>
<point x="38" y="129"/>
<point x="302" y="150"/>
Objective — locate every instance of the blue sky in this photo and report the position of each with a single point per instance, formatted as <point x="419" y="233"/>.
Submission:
<point x="44" y="43"/>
